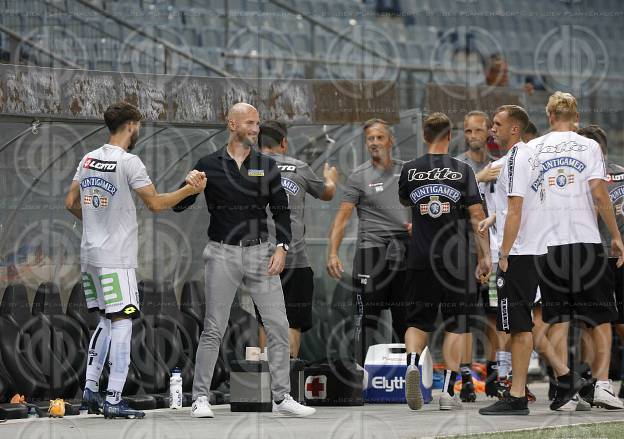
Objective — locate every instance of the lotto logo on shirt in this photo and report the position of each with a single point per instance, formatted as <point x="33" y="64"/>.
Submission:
<point x="255" y="173"/>
<point x="433" y="174"/>
<point x="99" y="165"/>
<point x="286" y="168"/>
<point x="377" y="186"/>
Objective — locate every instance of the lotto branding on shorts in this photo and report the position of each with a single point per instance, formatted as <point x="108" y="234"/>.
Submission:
<point x="290" y="186"/>
<point x="98" y="182"/>
<point x="99" y="165"/>
<point x="435" y="189"/>
<point x="433" y="174"/>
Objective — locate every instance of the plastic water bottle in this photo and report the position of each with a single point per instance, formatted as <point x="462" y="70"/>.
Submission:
<point x="175" y="389"/>
<point x="32" y="413"/>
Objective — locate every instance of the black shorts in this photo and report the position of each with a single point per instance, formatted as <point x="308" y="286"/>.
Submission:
<point x="619" y="289"/>
<point x="380" y="286"/>
<point x="298" y="287"/>
<point x="577" y="278"/>
<point x="516" y="289"/>
<point x="437" y="288"/>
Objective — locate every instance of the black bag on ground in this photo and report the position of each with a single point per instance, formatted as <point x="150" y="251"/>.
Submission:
<point x="334" y="382"/>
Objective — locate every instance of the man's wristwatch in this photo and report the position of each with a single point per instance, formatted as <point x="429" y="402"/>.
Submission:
<point x="285" y="246"/>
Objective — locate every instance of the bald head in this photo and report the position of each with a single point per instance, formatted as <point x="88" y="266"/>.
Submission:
<point x="240" y="109"/>
<point x="244" y="124"/>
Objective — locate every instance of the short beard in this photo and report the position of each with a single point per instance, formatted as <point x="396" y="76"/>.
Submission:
<point x="133" y="141"/>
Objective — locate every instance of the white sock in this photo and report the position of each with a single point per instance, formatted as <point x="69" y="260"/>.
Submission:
<point x="98" y="351"/>
<point x="503" y="361"/>
<point x="605" y="384"/>
<point x="121" y="334"/>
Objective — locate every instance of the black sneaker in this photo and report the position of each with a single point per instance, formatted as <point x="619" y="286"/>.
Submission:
<point x="587" y="391"/>
<point x="467" y="392"/>
<point x="121" y="410"/>
<point x="508" y="405"/>
<point x="566" y="392"/>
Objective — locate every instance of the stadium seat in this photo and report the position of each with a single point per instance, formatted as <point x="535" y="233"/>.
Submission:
<point x="55" y="343"/>
<point x="175" y="333"/>
<point x="153" y="375"/>
<point x="25" y="377"/>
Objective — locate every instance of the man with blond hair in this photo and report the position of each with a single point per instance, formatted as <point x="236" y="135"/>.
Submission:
<point x="565" y="176"/>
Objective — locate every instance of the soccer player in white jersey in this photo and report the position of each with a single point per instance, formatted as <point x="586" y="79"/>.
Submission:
<point x="519" y="275"/>
<point x="577" y="280"/>
<point x="100" y="195"/>
<point x="615" y="185"/>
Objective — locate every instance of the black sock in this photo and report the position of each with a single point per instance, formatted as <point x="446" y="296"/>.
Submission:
<point x="466" y="374"/>
<point x="584" y="371"/>
<point x="412" y="358"/>
<point x="279" y="402"/>
<point x="491" y="372"/>
<point x="449" y="379"/>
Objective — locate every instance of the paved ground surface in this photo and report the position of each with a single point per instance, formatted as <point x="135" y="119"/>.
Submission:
<point x="370" y="421"/>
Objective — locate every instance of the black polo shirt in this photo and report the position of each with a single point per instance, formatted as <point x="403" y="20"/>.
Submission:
<point x="237" y="198"/>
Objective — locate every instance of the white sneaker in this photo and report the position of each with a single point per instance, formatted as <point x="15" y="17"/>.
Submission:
<point x="448" y="402"/>
<point x="291" y="408"/>
<point x="413" y="396"/>
<point x="201" y="408"/>
<point x="604" y="396"/>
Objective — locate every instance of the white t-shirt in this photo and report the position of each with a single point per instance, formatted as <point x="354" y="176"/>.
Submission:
<point x="568" y="162"/>
<point x="109" y="225"/>
<point x="516" y="179"/>
<point x="490" y="194"/>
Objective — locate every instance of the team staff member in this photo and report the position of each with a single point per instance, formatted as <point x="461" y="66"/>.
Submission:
<point x="509" y="124"/>
<point x="298" y="179"/>
<point x="101" y="197"/>
<point x="615" y="186"/>
<point x="241" y="182"/>
<point x="442" y="193"/>
<point x="476" y="126"/>
<point x="379" y="263"/>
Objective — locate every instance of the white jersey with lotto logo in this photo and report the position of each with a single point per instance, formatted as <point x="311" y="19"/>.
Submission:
<point x="568" y="162"/>
<point x="517" y="179"/>
<point x="109" y="226"/>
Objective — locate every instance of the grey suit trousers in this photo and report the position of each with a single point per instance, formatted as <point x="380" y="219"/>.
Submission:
<point x="228" y="267"/>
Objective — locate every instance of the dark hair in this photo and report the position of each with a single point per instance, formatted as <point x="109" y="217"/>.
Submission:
<point x="119" y="113"/>
<point x="531" y="129"/>
<point x="596" y="133"/>
<point x="516" y="113"/>
<point x="271" y="134"/>
<point x="435" y="127"/>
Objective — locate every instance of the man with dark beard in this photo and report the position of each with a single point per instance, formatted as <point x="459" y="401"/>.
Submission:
<point x="101" y="197"/>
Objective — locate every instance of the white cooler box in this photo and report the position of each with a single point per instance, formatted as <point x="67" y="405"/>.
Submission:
<point x="385" y="366"/>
